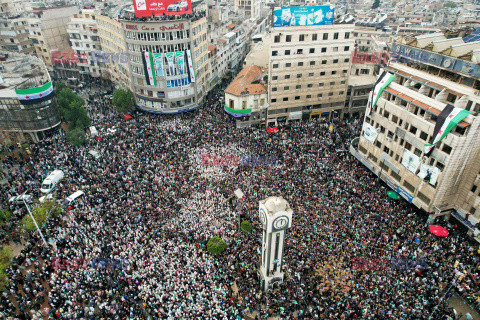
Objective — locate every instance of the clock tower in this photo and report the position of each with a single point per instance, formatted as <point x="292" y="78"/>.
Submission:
<point x="276" y="217"/>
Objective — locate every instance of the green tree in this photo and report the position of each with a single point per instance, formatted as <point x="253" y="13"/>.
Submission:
<point x="6" y="255"/>
<point x="450" y="5"/>
<point x="246" y="227"/>
<point x="123" y="100"/>
<point x="41" y="213"/>
<point x="76" y="115"/>
<point x="76" y="136"/>
<point x="59" y="86"/>
<point x="215" y="245"/>
<point x="376" y="4"/>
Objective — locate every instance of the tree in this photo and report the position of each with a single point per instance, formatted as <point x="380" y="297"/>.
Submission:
<point x="77" y="115"/>
<point x="6" y="254"/>
<point x="450" y="5"/>
<point x="76" y="136"/>
<point x="376" y="4"/>
<point x="59" y="86"/>
<point x="123" y="100"/>
<point x="246" y="227"/>
<point x="215" y="245"/>
<point x="41" y="213"/>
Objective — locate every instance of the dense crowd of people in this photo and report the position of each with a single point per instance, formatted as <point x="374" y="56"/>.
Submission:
<point x="149" y="200"/>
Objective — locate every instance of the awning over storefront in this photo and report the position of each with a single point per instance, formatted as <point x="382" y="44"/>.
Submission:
<point x="238" y="113"/>
<point x="295" y="115"/>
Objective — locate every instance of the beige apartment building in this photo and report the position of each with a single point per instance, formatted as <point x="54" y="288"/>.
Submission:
<point x="308" y="71"/>
<point x="200" y="56"/>
<point x="402" y="122"/>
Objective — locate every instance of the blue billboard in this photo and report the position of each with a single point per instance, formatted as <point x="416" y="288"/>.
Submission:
<point x="303" y="16"/>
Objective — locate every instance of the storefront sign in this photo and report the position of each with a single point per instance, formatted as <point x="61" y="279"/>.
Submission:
<point x="407" y="196"/>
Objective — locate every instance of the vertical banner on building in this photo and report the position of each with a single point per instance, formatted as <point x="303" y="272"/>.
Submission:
<point x="190" y="66"/>
<point x="370" y="133"/>
<point x="171" y="66"/>
<point x="410" y="161"/>
<point x="429" y="174"/>
<point x="158" y="58"/>
<point x="180" y="55"/>
<point x="147" y="59"/>
<point x="446" y="121"/>
<point x="383" y="81"/>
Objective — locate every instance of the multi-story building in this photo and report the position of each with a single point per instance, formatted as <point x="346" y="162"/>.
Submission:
<point x="402" y="122"/>
<point x="28" y="111"/>
<point x="250" y="8"/>
<point x="14" y="35"/>
<point x="308" y="70"/>
<point x="83" y="33"/>
<point x="172" y="86"/>
<point x="246" y="96"/>
<point x="200" y="56"/>
<point x="48" y="30"/>
<point x="113" y="43"/>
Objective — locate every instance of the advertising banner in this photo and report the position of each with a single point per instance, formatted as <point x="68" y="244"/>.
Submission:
<point x="180" y="55"/>
<point x="407" y="196"/>
<point x="191" y="72"/>
<point x="370" y="132"/>
<point x="171" y="66"/>
<point x="429" y="173"/>
<point x="410" y="161"/>
<point x="149" y="8"/>
<point x="158" y="58"/>
<point x="303" y="16"/>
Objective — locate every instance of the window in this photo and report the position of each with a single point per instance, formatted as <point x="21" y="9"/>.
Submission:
<point x="334" y="72"/>
<point x="277" y="39"/>
<point x="287" y="52"/>
<point x="275" y="66"/>
<point x="274" y="89"/>
<point x="309" y="96"/>
<point x="347" y="35"/>
<point x="312" y="63"/>
<point x="423" y="135"/>
<point x="395" y="176"/>
<point x="324" y="49"/>
<point x="320" y="84"/>
<point x="319" y="95"/>
<point x="289" y="38"/>
<point x="286" y="88"/>
<point x="297" y="97"/>
<point x="312" y="50"/>
<point x="474" y="188"/>
<point x="298" y="86"/>
<point x="285" y="99"/>
<point x="346" y="60"/>
<point x="310" y="74"/>
<point x="335" y="36"/>
<point x="301" y="37"/>
<point x="325" y="37"/>
<point x="342" y="82"/>
<point x="341" y="92"/>
<point x="447" y="149"/>
<point x="300" y="64"/>
<point x="309" y="85"/>
<point x="274" y="53"/>
<point x="324" y="61"/>
<point x="274" y="100"/>
<point x="413" y="130"/>
<point x="300" y="51"/>
<point x="274" y="77"/>
<point x="418" y="152"/>
<point x="409" y="186"/>
<point x="330" y="94"/>
<point x="287" y="76"/>
<point x="346" y="48"/>
<point x="314" y="37"/>
<point x="299" y="75"/>
<point x="288" y="65"/>
<point x="423" y="197"/>
<point x="322" y="73"/>
<point x="378" y="144"/>
<point x="335" y="49"/>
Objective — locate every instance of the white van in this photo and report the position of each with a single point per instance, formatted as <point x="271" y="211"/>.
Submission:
<point x="51" y="181"/>
<point x="73" y="196"/>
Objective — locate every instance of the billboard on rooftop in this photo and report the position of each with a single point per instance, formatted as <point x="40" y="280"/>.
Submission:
<point x="303" y="16"/>
<point x="149" y="8"/>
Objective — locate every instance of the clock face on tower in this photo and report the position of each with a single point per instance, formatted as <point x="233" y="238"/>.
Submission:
<point x="263" y="216"/>
<point x="280" y="223"/>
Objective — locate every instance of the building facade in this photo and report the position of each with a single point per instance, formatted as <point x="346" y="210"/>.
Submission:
<point x="174" y="88"/>
<point x="395" y="133"/>
<point x="14" y="35"/>
<point x="308" y="70"/>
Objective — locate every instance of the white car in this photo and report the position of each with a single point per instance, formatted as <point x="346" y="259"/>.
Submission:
<point x="178" y="6"/>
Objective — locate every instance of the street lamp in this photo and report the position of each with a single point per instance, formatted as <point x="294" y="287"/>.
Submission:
<point x="31" y="215"/>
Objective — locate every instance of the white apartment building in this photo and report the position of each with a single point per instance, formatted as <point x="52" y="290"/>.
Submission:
<point x="83" y="33"/>
<point x="402" y="122"/>
<point x="308" y="70"/>
<point x="250" y="8"/>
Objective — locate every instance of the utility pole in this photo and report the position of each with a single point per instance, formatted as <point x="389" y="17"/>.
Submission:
<point x="34" y="221"/>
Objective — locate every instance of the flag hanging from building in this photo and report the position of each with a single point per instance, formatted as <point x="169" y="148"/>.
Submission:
<point x="383" y="81"/>
<point x="35" y="95"/>
<point x="190" y="66"/>
<point x="171" y="68"/>
<point x="158" y="58"/>
<point x="147" y="59"/>
<point x="446" y="121"/>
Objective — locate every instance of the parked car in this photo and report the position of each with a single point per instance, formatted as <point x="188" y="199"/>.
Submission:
<point x="178" y="6"/>
<point x="51" y="181"/>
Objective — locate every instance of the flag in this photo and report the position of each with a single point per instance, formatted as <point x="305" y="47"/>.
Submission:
<point x="147" y="59"/>
<point x="191" y="72"/>
<point x="383" y="81"/>
<point x="446" y="121"/>
<point x="35" y="95"/>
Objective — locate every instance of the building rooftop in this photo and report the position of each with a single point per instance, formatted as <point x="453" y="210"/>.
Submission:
<point x="247" y="82"/>
<point x="18" y="71"/>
